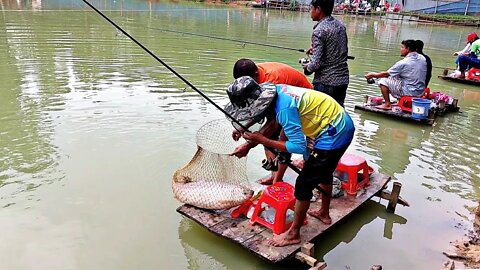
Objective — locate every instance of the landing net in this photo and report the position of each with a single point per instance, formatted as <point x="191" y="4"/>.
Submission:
<point x="213" y="179"/>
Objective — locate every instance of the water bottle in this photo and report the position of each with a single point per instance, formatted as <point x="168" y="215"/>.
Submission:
<point x="290" y="216"/>
<point x="268" y="215"/>
<point x="343" y="176"/>
<point x="250" y="212"/>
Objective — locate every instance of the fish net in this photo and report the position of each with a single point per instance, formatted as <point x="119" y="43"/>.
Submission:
<point x="213" y="179"/>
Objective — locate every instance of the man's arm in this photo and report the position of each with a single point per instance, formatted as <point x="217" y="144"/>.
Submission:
<point x="267" y="130"/>
<point x="289" y="119"/>
<point x="464" y="51"/>
<point x="372" y="75"/>
<point x="317" y="51"/>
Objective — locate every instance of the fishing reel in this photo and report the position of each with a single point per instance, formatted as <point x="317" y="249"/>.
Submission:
<point x="270" y="164"/>
<point x="304" y="60"/>
<point x="371" y="81"/>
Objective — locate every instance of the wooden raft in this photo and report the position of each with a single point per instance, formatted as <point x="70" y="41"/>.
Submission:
<point x="255" y="238"/>
<point x="459" y="80"/>
<point x="399" y="115"/>
<point x="447" y="77"/>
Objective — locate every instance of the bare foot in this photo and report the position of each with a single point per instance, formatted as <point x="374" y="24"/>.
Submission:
<point x="267" y="180"/>
<point x="384" y="107"/>
<point x="285" y="239"/>
<point x="325" y="218"/>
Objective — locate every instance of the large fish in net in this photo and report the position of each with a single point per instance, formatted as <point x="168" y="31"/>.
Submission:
<point x="213" y="179"/>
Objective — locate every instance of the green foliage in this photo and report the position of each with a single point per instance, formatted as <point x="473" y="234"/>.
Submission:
<point x="450" y="17"/>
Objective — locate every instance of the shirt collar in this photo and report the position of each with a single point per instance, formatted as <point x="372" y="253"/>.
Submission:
<point x="323" y="19"/>
<point x="412" y="55"/>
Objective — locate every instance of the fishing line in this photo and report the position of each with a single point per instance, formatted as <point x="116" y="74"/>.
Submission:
<point x="234" y="40"/>
<point x="265" y="44"/>
<point x="294" y="168"/>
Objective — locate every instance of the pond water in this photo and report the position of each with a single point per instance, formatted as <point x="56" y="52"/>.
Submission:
<point x="92" y="128"/>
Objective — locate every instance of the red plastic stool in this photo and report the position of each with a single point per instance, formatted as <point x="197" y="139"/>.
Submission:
<point x="280" y="197"/>
<point x="405" y="102"/>
<point x="348" y="169"/>
<point x="473" y="74"/>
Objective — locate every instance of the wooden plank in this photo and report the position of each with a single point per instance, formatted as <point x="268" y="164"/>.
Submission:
<point x="398" y="115"/>
<point x="394" y="197"/>
<point x="319" y="266"/>
<point x="339" y="209"/>
<point x="255" y="238"/>
<point x="308" y="248"/>
<point x="203" y="217"/>
<point x="387" y="195"/>
<point x="306" y="258"/>
<point x="238" y="230"/>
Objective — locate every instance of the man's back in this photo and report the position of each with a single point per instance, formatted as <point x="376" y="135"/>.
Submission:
<point x="429" y="69"/>
<point x="278" y="73"/>
<point x="476" y="48"/>
<point x="330" y="51"/>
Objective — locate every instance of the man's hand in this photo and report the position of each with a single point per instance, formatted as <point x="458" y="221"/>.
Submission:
<point x="255" y="137"/>
<point x="242" y="150"/>
<point x="305" y="70"/>
<point x="370" y="75"/>
<point x="309" y="51"/>
<point x="236" y="135"/>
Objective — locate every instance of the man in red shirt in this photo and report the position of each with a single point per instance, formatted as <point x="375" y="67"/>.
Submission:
<point x="276" y="73"/>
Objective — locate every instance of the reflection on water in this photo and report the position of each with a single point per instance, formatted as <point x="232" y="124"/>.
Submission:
<point x="91" y="129"/>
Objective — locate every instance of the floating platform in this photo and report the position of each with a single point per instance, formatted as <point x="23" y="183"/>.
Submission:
<point x="255" y="238"/>
<point x="407" y="116"/>
<point x="459" y="80"/>
<point x="445" y="76"/>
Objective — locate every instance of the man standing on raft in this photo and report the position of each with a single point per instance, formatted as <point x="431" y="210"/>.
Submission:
<point x="300" y="112"/>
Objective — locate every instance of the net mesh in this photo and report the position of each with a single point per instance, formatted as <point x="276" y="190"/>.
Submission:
<point x="213" y="179"/>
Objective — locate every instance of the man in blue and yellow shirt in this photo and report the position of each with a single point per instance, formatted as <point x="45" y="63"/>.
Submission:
<point x="301" y="112"/>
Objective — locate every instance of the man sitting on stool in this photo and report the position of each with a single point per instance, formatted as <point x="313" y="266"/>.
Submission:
<point x="405" y="78"/>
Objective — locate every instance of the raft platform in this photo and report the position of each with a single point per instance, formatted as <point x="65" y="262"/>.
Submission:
<point x="441" y="110"/>
<point x="459" y="80"/>
<point x="255" y="238"/>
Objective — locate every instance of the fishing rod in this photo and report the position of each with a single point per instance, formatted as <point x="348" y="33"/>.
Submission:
<point x="275" y="152"/>
<point x="235" y="40"/>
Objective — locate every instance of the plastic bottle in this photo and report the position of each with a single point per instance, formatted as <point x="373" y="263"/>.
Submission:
<point x="250" y="211"/>
<point x="290" y="216"/>
<point x="268" y="215"/>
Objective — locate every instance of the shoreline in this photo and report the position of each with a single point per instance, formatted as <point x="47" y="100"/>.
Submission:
<point x="448" y="19"/>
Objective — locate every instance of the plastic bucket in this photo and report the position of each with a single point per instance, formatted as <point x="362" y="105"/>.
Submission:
<point x="420" y="107"/>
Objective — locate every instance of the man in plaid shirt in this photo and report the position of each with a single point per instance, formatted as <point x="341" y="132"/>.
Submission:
<point x="329" y="52"/>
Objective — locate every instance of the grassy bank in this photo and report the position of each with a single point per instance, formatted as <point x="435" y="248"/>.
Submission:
<point x="456" y="19"/>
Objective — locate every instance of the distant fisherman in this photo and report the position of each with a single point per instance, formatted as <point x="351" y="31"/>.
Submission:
<point x="471" y="60"/>
<point x="301" y="112"/>
<point x="405" y="78"/>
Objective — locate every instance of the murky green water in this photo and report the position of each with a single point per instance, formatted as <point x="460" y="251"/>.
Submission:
<point x="92" y="128"/>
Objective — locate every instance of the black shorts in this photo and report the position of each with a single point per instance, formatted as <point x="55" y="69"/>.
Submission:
<point x="318" y="169"/>
<point x="336" y="92"/>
